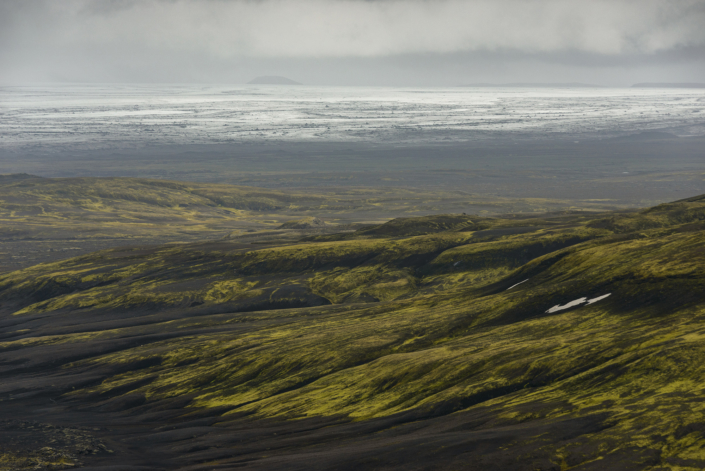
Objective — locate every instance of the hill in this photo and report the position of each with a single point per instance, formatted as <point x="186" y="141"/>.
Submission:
<point x="669" y="85"/>
<point x="44" y="219"/>
<point x="273" y="80"/>
<point x="47" y="219"/>
<point x="564" y="341"/>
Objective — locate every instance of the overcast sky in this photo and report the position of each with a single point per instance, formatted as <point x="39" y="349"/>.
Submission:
<point x="353" y="42"/>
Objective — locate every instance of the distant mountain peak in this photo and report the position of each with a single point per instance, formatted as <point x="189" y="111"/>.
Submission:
<point x="669" y="85"/>
<point x="13" y="177"/>
<point x="273" y="80"/>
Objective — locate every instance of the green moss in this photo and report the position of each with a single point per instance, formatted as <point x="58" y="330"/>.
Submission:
<point x="418" y="323"/>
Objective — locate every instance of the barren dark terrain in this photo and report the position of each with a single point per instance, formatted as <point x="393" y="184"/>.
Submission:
<point x="564" y="340"/>
<point x="511" y="304"/>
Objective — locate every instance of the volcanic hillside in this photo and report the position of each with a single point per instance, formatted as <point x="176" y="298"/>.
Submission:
<point x="565" y="341"/>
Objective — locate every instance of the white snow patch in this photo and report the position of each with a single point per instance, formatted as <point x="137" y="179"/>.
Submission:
<point x="558" y="307"/>
<point x="599" y="298"/>
<point x="517" y="284"/>
<point x="577" y="302"/>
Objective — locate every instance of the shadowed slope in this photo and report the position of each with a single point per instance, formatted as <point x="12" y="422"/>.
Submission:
<point x="561" y="342"/>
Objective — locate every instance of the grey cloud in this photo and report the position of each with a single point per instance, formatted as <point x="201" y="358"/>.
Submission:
<point x="214" y="40"/>
<point x="316" y="28"/>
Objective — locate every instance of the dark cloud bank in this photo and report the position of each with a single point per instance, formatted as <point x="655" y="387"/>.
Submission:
<point x="323" y="42"/>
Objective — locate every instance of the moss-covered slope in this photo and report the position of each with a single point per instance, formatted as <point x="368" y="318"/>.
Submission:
<point x="561" y="342"/>
<point x="47" y="219"/>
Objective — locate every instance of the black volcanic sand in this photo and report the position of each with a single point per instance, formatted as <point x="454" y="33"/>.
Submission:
<point x="122" y="430"/>
<point x="163" y="436"/>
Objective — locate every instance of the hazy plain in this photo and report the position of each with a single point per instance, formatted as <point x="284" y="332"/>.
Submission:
<point x="386" y="152"/>
<point x="99" y="117"/>
<point x="627" y="147"/>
